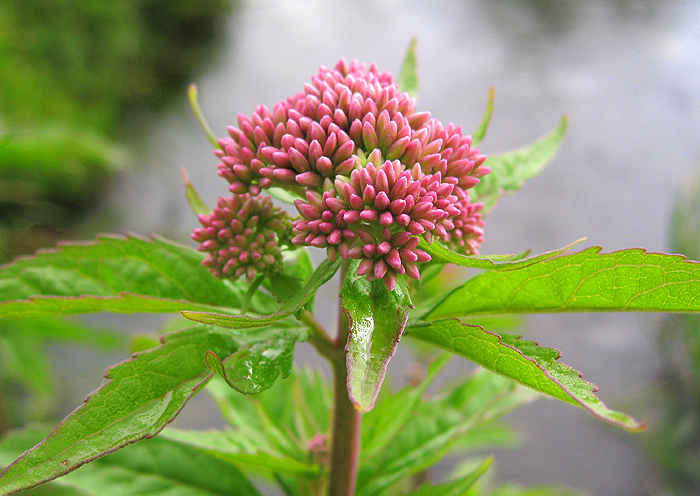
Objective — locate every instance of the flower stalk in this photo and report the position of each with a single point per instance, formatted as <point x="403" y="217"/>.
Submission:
<point x="347" y="420"/>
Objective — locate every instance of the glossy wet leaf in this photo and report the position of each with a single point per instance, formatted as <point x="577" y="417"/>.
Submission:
<point x="377" y="319"/>
<point x="523" y="361"/>
<point x="255" y="367"/>
<point x="138" y="399"/>
<point x="453" y="488"/>
<point x="627" y="280"/>
<point x="510" y="170"/>
<point x="117" y="274"/>
<point x="324" y="272"/>
<point x="156" y="466"/>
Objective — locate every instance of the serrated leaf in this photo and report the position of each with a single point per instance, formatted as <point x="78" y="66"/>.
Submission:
<point x="523" y="361"/>
<point x="627" y="280"/>
<point x="453" y="488"/>
<point x="160" y="465"/>
<point x="193" y="199"/>
<point x="377" y="320"/>
<point x="408" y="77"/>
<point x="324" y="272"/>
<point x="140" y="397"/>
<point x="441" y="254"/>
<point x="117" y="274"/>
<point x="510" y="170"/>
<point x="480" y="133"/>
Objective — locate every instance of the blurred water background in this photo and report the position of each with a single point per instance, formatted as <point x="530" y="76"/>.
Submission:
<point x="626" y="73"/>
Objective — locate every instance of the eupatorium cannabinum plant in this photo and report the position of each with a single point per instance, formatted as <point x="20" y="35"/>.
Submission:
<point x="392" y="195"/>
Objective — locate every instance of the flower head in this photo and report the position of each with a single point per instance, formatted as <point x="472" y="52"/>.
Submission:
<point x="242" y="236"/>
<point x="374" y="175"/>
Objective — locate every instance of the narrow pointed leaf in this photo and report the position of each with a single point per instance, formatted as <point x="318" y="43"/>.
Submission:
<point x="523" y="361"/>
<point x="457" y="487"/>
<point x="115" y="273"/>
<point x="381" y="424"/>
<point x="140" y="397"/>
<point x="227" y="446"/>
<point x="408" y="77"/>
<point x="512" y="169"/>
<point x="193" y="199"/>
<point x="480" y="133"/>
<point x="437" y="428"/>
<point x="441" y="254"/>
<point x="196" y="109"/>
<point x="324" y="272"/>
<point x="377" y="320"/>
<point x="627" y="280"/>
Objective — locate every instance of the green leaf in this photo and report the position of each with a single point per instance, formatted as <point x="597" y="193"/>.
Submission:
<point x="408" y="77"/>
<point x="269" y="422"/>
<point x="453" y="488"/>
<point x="391" y="414"/>
<point x="298" y="268"/>
<point x="523" y="361"/>
<point x="64" y="330"/>
<point x="510" y="170"/>
<point x="140" y="397"/>
<point x="194" y="103"/>
<point x="441" y="254"/>
<point x="227" y="445"/>
<point x="480" y="133"/>
<point x="377" y="320"/>
<point x="627" y="280"/>
<point x="322" y="275"/>
<point x="193" y="199"/>
<point x="256" y="367"/>
<point x="437" y="427"/>
<point x="116" y="273"/>
<point x="24" y="359"/>
<point x="156" y="466"/>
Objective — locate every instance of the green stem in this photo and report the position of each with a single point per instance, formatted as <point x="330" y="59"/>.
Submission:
<point x="347" y="420"/>
<point x="345" y="441"/>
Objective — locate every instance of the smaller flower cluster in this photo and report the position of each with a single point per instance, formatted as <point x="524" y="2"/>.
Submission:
<point x="242" y="236"/>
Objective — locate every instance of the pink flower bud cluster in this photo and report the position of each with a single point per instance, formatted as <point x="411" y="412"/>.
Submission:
<point x="242" y="236"/>
<point x="375" y="175"/>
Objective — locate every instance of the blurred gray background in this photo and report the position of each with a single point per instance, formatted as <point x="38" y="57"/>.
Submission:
<point x="626" y="73"/>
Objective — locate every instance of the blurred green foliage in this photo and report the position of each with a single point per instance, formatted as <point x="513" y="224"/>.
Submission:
<point x="74" y="77"/>
<point x="676" y="442"/>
